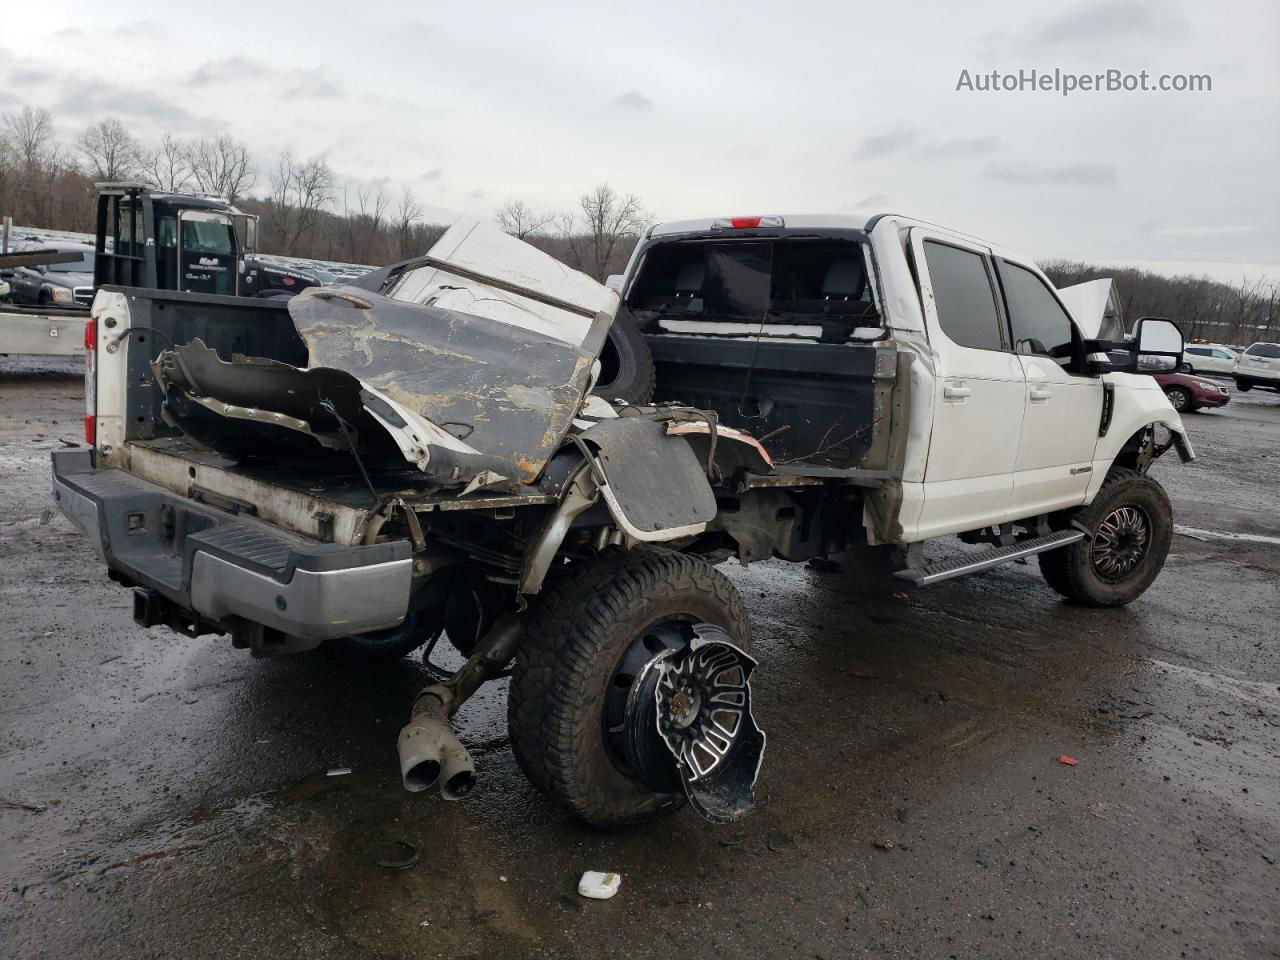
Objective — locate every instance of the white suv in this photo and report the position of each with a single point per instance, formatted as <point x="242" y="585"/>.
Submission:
<point x="1259" y="366"/>
<point x="1209" y="358"/>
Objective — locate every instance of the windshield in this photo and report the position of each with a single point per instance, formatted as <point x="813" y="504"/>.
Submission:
<point x="206" y="236"/>
<point x="83" y="265"/>
<point x="1271" y="350"/>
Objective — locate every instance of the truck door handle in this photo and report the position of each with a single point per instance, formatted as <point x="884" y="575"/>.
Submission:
<point x="952" y="391"/>
<point x="1040" y="394"/>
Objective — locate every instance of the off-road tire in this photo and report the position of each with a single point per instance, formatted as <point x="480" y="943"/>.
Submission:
<point x="574" y="638"/>
<point x="1071" y="570"/>
<point x="626" y="363"/>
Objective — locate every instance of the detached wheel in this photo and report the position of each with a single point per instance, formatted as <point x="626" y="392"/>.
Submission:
<point x="626" y="364"/>
<point x="586" y="645"/>
<point x="1180" y="399"/>
<point x="1132" y="526"/>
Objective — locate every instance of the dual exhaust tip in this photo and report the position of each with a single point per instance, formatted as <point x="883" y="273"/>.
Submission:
<point x="431" y="753"/>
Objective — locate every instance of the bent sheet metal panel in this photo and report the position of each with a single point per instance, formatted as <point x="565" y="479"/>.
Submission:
<point x="505" y="391"/>
<point x="654" y="478"/>
<point x="486" y="337"/>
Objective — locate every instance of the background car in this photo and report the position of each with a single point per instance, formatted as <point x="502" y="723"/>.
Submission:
<point x="1259" y="366"/>
<point x="55" y="284"/>
<point x="1208" y="358"/>
<point x="1188" y="392"/>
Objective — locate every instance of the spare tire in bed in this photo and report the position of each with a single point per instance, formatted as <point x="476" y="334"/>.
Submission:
<point x="626" y="365"/>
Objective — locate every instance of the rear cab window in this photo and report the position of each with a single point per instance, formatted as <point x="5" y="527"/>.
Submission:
<point x="809" y="288"/>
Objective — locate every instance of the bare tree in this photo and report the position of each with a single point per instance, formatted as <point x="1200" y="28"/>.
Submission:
<point x="222" y="166"/>
<point x="520" y="221"/>
<point x="300" y="191"/>
<point x="407" y="214"/>
<point x="168" y="165"/>
<point x="609" y="218"/>
<point x="110" y="151"/>
<point x="29" y="135"/>
<point x="35" y="154"/>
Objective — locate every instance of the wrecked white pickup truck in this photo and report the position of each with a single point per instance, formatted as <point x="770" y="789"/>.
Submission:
<point x="419" y="455"/>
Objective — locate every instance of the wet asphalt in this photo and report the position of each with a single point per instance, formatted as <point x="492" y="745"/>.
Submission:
<point x="168" y="797"/>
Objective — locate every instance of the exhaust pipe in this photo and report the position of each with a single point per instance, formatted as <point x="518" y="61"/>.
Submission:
<point x="430" y="751"/>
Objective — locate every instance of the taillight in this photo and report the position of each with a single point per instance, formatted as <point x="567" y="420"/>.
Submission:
<point x="744" y="223"/>
<point x="90" y="383"/>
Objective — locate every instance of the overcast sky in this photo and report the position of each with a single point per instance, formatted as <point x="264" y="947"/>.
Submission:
<point x="717" y="108"/>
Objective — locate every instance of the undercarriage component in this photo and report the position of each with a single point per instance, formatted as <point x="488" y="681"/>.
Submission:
<point x="688" y="725"/>
<point x="429" y="750"/>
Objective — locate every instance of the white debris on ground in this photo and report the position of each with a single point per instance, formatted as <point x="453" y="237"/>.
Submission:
<point x="599" y="886"/>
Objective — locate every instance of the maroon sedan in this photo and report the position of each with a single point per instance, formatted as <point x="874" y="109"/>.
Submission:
<point x="1188" y="392"/>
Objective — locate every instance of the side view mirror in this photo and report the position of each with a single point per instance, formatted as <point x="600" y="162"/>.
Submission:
<point x="1155" y="347"/>
<point x="614" y="282"/>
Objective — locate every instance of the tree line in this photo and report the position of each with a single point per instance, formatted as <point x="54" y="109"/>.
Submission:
<point x="307" y="210"/>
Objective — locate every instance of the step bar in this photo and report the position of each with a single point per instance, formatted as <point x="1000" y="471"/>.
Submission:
<point x="941" y="570"/>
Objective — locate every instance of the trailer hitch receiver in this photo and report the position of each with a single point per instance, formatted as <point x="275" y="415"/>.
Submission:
<point x="689" y="726"/>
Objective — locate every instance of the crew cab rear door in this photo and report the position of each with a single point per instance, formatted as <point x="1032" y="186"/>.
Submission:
<point x="978" y="387"/>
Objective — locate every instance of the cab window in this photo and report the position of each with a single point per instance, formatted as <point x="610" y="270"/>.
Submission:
<point x="206" y="236"/>
<point x="1040" y="326"/>
<point x="963" y="296"/>
<point x="167" y="232"/>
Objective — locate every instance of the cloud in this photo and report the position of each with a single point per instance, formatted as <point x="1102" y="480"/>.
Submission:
<point x="29" y="77"/>
<point x="886" y="143"/>
<point x="229" y="68"/>
<point x="874" y="200"/>
<point x="1155" y="228"/>
<point x="477" y="194"/>
<point x="98" y="98"/>
<point x="68" y="33"/>
<point x="1117" y="20"/>
<point x="312" y="83"/>
<point x="435" y="173"/>
<point x="962" y="147"/>
<point x="633" y="100"/>
<point x="1072" y="173"/>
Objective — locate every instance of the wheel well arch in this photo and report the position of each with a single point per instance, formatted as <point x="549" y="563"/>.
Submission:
<point x="1146" y="444"/>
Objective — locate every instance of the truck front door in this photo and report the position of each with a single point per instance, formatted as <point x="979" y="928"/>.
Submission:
<point x="978" y="388"/>
<point x="1062" y="408"/>
<point x="206" y="253"/>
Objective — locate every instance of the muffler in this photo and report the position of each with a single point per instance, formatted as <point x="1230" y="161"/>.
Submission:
<point x="430" y="751"/>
